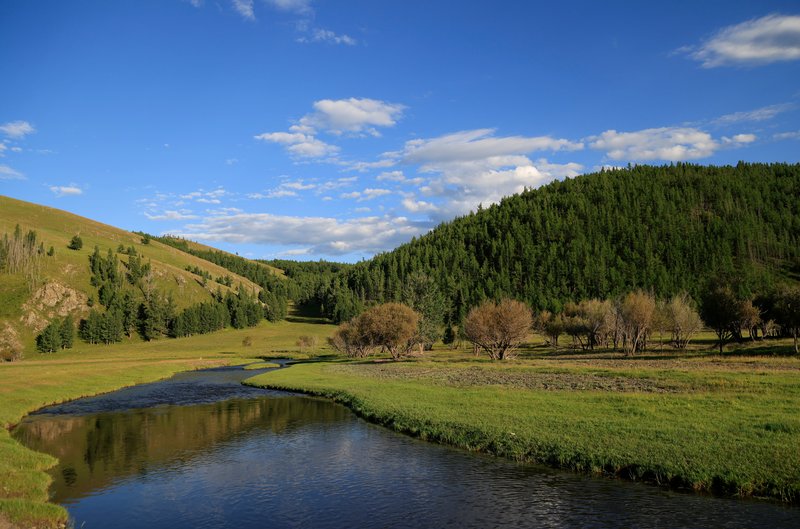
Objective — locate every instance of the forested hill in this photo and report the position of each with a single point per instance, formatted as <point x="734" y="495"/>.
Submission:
<point x="664" y="229"/>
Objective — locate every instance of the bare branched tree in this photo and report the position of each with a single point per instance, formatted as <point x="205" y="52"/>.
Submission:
<point x="498" y="328"/>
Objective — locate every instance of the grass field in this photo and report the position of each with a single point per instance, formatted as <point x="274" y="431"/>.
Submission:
<point x="43" y="379"/>
<point x="725" y="424"/>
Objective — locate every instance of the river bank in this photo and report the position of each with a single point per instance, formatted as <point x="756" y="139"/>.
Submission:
<point x="725" y="425"/>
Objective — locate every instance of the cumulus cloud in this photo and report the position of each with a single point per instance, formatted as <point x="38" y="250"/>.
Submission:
<point x="468" y="168"/>
<point x="315" y="235"/>
<point x="664" y="143"/>
<point x="480" y="144"/>
<point x="17" y="129"/>
<point x="764" y="40"/>
<point x="7" y="173"/>
<point x="64" y="191"/>
<point x="353" y="115"/>
<point x="340" y="116"/>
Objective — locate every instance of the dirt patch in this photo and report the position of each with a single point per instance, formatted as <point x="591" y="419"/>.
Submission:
<point x="478" y="376"/>
<point x="52" y="300"/>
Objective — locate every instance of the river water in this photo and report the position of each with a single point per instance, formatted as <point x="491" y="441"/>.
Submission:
<point x="200" y="450"/>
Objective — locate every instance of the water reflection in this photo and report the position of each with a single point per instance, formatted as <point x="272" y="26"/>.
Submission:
<point x="292" y="461"/>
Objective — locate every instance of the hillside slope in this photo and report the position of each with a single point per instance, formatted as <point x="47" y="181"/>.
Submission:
<point x="64" y="285"/>
<point x="663" y="229"/>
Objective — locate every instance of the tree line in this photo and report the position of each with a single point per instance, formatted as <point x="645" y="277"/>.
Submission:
<point x="628" y="322"/>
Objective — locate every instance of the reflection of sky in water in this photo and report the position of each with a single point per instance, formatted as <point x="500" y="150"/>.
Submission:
<point x="296" y="461"/>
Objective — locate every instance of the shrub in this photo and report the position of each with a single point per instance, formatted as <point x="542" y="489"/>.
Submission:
<point x="498" y="328"/>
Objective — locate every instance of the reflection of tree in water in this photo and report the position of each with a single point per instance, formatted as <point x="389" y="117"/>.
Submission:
<point x="95" y="449"/>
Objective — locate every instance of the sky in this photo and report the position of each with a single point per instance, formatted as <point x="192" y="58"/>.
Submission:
<point x="322" y="129"/>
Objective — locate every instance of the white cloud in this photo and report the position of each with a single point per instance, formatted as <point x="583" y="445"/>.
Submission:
<point x="17" y="129"/>
<point x="316" y="235"/>
<point x="172" y="215"/>
<point x="468" y="168"/>
<point x="231" y="161"/>
<point x="63" y="191"/>
<point x="245" y="8"/>
<point x="299" y="144"/>
<point x="367" y="194"/>
<point x="3" y="147"/>
<point x="326" y="35"/>
<point x="762" y="40"/>
<point x="7" y="173"/>
<point x="664" y="143"/>
<point x="739" y="139"/>
<point x="209" y="200"/>
<point x="795" y="135"/>
<point x="392" y="176"/>
<point x="294" y="6"/>
<point x="478" y="144"/>
<point x="285" y="189"/>
<point x="759" y="114"/>
<point x="353" y="115"/>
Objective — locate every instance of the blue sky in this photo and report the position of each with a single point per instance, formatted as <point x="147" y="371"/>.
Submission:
<point x="320" y="129"/>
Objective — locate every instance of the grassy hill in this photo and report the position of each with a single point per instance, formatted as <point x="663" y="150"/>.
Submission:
<point x="64" y="286"/>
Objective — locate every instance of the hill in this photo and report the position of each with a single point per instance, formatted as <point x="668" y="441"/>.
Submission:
<point x="63" y="283"/>
<point x="664" y="229"/>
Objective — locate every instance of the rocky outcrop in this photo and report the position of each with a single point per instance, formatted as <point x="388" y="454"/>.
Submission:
<point x="52" y="300"/>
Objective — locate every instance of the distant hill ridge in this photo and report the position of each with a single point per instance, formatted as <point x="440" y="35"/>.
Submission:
<point x="664" y="229"/>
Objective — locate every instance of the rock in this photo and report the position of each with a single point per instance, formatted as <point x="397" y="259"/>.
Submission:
<point x="52" y="300"/>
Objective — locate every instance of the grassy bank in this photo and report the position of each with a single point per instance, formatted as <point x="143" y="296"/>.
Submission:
<point x="727" y="424"/>
<point x="40" y="380"/>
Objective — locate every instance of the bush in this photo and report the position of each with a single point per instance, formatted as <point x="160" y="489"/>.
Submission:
<point x="76" y="243"/>
<point x="304" y="342"/>
<point x="498" y="328"/>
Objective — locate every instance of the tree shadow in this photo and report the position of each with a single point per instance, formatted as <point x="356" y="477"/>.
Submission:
<point x="306" y="313"/>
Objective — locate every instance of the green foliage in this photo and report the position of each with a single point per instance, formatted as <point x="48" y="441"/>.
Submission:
<point x="105" y="328"/>
<point x="49" y="340"/>
<point x="76" y="243"/>
<point x="59" y="334"/>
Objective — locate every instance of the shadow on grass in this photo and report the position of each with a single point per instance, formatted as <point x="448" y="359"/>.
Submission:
<point x="306" y="314"/>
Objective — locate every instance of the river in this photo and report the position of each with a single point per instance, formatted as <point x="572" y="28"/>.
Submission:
<point x="200" y="450"/>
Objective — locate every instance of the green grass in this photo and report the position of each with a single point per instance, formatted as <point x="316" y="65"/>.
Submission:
<point x="261" y="365"/>
<point x="727" y="425"/>
<point x="43" y="379"/>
